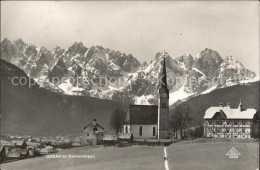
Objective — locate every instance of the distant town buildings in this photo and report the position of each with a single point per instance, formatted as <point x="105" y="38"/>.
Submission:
<point x="225" y="122"/>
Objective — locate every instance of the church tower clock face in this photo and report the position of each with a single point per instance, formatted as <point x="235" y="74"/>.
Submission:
<point x="164" y="94"/>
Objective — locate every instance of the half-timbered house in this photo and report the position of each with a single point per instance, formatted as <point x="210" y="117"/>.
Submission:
<point x="226" y="122"/>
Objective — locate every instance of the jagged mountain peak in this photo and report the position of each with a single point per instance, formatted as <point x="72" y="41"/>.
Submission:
<point x="141" y="84"/>
<point x="77" y="48"/>
<point x="232" y="60"/>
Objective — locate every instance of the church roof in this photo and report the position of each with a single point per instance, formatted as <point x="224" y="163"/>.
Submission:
<point x="163" y="82"/>
<point x="230" y="113"/>
<point x="143" y="114"/>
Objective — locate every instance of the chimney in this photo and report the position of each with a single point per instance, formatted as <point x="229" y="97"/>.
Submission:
<point x="228" y="104"/>
<point x="240" y="107"/>
<point x="221" y="104"/>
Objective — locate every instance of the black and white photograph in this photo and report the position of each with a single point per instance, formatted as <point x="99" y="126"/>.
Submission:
<point x="130" y="85"/>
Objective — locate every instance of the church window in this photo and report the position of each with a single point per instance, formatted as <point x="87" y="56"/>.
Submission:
<point x="140" y="131"/>
<point x="163" y="104"/>
<point x="153" y="131"/>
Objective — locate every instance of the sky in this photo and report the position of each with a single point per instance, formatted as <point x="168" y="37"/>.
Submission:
<point x="140" y="28"/>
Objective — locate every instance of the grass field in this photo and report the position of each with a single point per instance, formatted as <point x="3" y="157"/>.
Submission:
<point x="201" y="154"/>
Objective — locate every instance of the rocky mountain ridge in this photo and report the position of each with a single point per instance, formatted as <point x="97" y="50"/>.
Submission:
<point x="108" y="74"/>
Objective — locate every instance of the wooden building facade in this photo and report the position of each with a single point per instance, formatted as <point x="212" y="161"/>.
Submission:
<point x="226" y="122"/>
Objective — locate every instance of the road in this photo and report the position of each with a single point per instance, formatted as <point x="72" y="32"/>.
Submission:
<point x="195" y="155"/>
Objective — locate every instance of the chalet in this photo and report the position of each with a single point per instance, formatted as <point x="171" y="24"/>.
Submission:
<point x="150" y="121"/>
<point x="226" y="122"/>
<point x="92" y="134"/>
<point x="10" y="153"/>
<point x="14" y="154"/>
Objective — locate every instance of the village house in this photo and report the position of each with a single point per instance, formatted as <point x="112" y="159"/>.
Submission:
<point x="92" y="134"/>
<point x="225" y="122"/>
<point x="150" y="121"/>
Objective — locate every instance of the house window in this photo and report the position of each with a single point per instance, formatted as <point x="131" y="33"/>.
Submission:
<point x="153" y="131"/>
<point x="125" y="129"/>
<point x="140" y="131"/>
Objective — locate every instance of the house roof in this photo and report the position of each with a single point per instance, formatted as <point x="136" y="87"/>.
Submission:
<point x="10" y="147"/>
<point x="143" y="114"/>
<point x="230" y="113"/>
<point x="18" y="142"/>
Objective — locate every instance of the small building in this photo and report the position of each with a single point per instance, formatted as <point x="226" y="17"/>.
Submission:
<point x="10" y="153"/>
<point x="14" y="154"/>
<point x="92" y="134"/>
<point x="225" y="122"/>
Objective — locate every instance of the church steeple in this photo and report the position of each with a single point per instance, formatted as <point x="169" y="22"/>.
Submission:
<point x="163" y="105"/>
<point x="163" y="89"/>
<point x="163" y="82"/>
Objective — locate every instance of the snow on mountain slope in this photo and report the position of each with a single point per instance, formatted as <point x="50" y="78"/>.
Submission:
<point x="108" y="74"/>
<point x="180" y="94"/>
<point x="209" y="89"/>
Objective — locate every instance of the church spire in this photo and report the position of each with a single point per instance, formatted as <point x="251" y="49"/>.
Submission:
<point x="163" y="82"/>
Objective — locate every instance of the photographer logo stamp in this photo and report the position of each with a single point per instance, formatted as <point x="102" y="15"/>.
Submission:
<point x="233" y="153"/>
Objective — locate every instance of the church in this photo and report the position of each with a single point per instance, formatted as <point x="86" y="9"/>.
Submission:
<point x="150" y="121"/>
